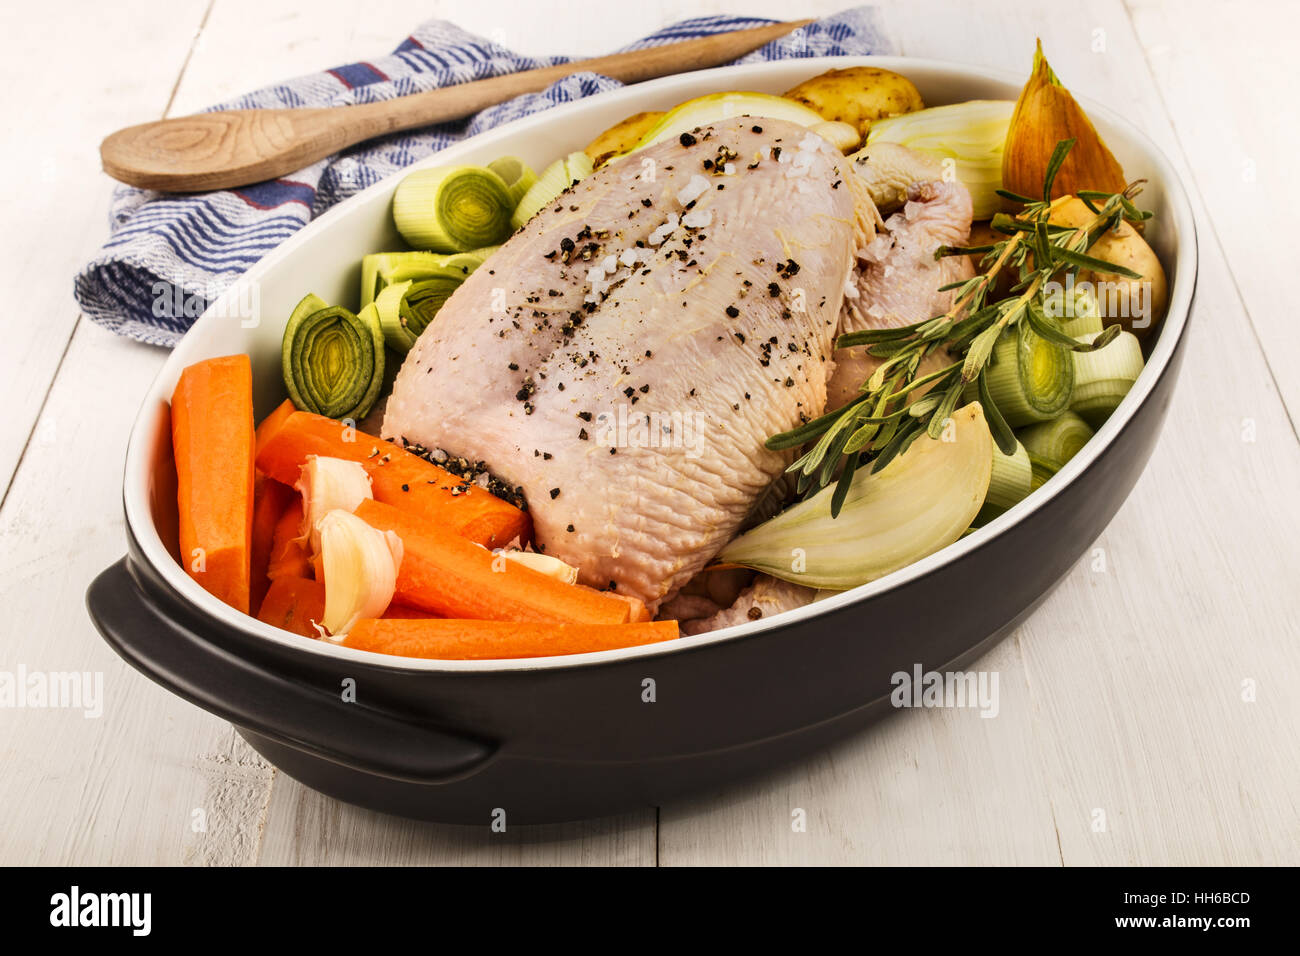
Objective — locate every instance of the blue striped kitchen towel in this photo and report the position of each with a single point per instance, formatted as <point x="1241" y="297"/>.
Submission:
<point x="169" y="255"/>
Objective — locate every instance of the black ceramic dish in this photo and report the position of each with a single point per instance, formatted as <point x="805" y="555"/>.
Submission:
<point x="563" y="738"/>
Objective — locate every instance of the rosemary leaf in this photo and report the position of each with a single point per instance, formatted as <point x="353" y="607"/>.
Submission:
<point x="1054" y="166"/>
<point x="998" y="427"/>
<point x="891" y="450"/>
<point x="980" y="351"/>
<point x="944" y="411"/>
<point x="861" y="438"/>
<point x="1085" y="261"/>
<point x="843" y="485"/>
<point x="809" y="430"/>
<point x="872" y="336"/>
<point x="1014" y="197"/>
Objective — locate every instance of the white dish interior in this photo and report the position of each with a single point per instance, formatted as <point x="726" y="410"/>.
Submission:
<point x="325" y="258"/>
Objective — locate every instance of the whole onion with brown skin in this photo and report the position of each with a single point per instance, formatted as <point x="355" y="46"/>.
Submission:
<point x="1045" y="114"/>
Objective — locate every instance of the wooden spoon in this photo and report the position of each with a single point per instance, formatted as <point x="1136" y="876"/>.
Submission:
<point x="238" y="147"/>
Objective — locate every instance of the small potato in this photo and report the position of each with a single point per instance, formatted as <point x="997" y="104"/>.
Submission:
<point x="621" y="137"/>
<point x="1136" y="304"/>
<point x="858" y="95"/>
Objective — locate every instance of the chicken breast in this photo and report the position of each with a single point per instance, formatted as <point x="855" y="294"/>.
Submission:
<point x="623" y="358"/>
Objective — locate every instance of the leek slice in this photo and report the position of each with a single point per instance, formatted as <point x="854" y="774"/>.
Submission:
<point x="1078" y="315"/>
<point x="555" y="179"/>
<point x="920" y="502"/>
<point x="1042" y="470"/>
<point x="1102" y="378"/>
<point x="1011" y="480"/>
<point x="1055" y="442"/>
<point x="453" y="208"/>
<point x="516" y="174"/>
<point x="965" y="137"/>
<point x="704" y="110"/>
<point x="1030" y="378"/>
<point x="408" y="289"/>
<point x="332" y="360"/>
<point x="405" y="309"/>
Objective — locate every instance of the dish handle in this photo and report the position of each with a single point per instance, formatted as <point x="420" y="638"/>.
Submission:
<point x="166" y="649"/>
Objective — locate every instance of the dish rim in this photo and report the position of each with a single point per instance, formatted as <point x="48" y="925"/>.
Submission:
<point x="143" y="531"/>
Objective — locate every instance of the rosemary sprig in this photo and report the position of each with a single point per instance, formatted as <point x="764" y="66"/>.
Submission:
<point x="881" y="422"/>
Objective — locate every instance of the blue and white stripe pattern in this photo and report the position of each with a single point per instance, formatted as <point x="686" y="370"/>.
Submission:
<point x="170" y="254"/>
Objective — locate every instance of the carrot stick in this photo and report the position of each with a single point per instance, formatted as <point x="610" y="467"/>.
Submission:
<point x="397" y="477"/>
<point x="292" y="604"/>
<point x="272" y="423"/>
<point x="488" y="640"/>
<point x="212" y="439"/>
<point x="270" y="502"/>
<point x="455" y="578"/>
<point x="289" y="557"/>
<point x="639" y="613"/>
<point x="404" y="612"/>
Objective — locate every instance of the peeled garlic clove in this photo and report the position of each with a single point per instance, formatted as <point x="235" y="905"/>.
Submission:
<point x="329" y="484"/>
<point x="1045" y="114"/>
<point x="550" y="566"/>
<point x="360" y="568"/>
<point x="842" y="136"/>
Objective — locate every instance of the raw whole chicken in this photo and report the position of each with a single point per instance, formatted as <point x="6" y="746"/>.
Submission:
<point x="622" y="359"/>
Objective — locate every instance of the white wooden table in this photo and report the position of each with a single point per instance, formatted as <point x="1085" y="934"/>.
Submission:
<point x="1159" y="691"/>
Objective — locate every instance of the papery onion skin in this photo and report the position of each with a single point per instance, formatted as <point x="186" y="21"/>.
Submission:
<point x="1046" y="114"/>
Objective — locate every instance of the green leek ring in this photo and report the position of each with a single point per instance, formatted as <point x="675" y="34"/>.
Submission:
<point x="332" y="360"/>
<point x="453" y="208"/>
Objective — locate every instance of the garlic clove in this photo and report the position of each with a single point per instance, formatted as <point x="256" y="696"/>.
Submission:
<point x="329" y="484"/>
<point x="551" y="566"/>
<point x="360" y="565"/>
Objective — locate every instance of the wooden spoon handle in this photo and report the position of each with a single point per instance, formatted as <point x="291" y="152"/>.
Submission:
<point x="237" y="147"/>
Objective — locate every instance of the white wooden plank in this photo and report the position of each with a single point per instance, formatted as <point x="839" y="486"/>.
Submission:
<point x="78" y="789"/>
<point x="306" y="829"/>
<point x="296" y="816"/>
<point x="1230" y="94"/>
<point x="941" y="786"/>
<point x="60" y="96"/>
<point x="1123" y="693"/>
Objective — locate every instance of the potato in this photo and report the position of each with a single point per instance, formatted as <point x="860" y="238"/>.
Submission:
<point x="858" y="95"/>
<point x="621" y="137"/>
<point x="1136" y="304"/>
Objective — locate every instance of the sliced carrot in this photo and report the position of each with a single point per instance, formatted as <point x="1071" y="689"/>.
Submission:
<point x="212" y="439"/>
<point x="639" y="612"/>
<point x="289" y="555"/>
<point x="292" y="604"/>
<point x="404" y="612"/>
<point x="270" y="501"/>
<point x="271" y="424"/>
<point x="495" y="640"/>
<point x="397" y="477"/>
<point x="455" y="578"/>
